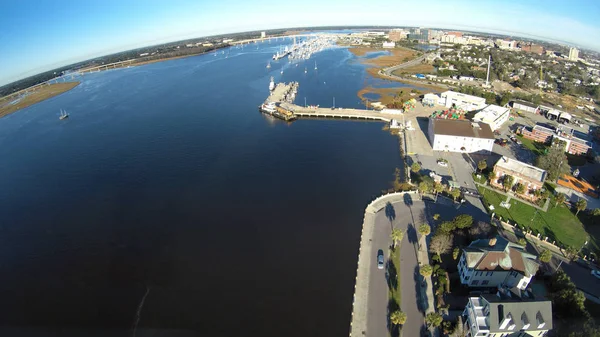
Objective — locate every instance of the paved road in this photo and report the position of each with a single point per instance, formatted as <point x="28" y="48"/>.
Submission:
<point x="390" y="70"/>
<point x="377" y="324"/>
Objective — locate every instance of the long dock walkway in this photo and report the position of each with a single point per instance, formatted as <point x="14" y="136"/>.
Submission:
<point x="341" y="113"/>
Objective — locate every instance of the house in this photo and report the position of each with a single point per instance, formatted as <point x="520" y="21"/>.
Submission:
<point x="496" y="262"/>
<point x="538" y="133"/>
<point x="528" y="175"/>
<point x="525" y="106"/>
<point x="460" y="136"/>
<point x="389" y="44"/>
<point x="573" y="144"/>
<point x="463" y="101"/>
<point x="492" y="115"/>
<point x="508" y="312"/>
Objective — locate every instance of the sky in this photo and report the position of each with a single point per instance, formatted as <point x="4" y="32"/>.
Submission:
<point x="37" y="36"/>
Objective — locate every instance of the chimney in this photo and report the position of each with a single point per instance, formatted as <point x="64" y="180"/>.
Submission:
<point x="492" y="242"/>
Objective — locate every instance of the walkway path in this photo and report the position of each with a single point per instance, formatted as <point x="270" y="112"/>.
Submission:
<point x="545" y="208"/>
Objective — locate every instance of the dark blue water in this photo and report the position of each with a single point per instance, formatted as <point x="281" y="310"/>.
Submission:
<point x="167" y="178"/>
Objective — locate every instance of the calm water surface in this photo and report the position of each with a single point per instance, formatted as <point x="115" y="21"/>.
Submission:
<point x="166" y="179"/>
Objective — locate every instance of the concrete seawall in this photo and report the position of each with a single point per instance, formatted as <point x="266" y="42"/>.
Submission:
<point x="360" y="303"/>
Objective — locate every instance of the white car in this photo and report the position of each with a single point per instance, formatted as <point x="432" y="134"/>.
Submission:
<point x="596" y="273"/>
<point x="442" y="163"/>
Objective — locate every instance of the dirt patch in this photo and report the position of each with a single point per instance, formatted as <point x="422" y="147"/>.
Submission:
<point x="389" y="95"/>
<point x="40" y="94"/>
<point x="396" y="56"/>
<point x="422" y="68"/>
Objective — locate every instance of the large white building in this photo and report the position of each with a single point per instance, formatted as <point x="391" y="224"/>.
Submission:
<point x="462" y="101"/>
<point x="492" y="115"/>
<point x="573" y="54"/>
<point x="496" y="262"/>
<point x="508" y="312"/>
<point x="454" y="135"/>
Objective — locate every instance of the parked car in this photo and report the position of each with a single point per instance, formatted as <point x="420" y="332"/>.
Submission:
<point x="442" y="163"/>
<point x="596" y="274"/>
<point x="380" y="259"/>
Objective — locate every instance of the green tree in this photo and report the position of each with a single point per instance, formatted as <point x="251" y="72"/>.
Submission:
<point x="455" y="193"/>
<point x="424" y="187"/>
<point x="570" y="253"/>
<point x="507" y="182"/>
<point x="436" y="216"/>
<point x="482" y="165"/>
<point x="437" y="188"/>
<point x="415" y="167"/>
<point x="596" y="212"/>
<point x="397" y="236"/>
<point x="545" y="256"/>
<point x="455" y="253"/>
<point x="441" y="243"/>
<point x="426" y="270"/>
<point x="560" y="199"/>
<point x="424" y="229"/>
<point x="463" y="221"/>
<point x="433" y="319"/>
<point x="554" y="162"/>
<point x="580" y="205"/>
<point x="398" y="317"/>
<point x="446" y="227"/>
<point x="520" y="188"/>
<point x="522" y="242"/>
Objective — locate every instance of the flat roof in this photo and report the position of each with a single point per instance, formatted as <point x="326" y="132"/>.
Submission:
<point x="491" y="111"/>
<point x="462" y="128"/>
<point x="466" y="97"/>
<point x="542" y="128"/>
<point x="529" y="104"/>
<point x="526" y="170"/>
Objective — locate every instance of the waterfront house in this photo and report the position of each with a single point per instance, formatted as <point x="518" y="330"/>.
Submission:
<point x="454" y="135"/>
<point x="528" y="175"/>
<point x="496" y="262"/>
<point x="508" y="312"/>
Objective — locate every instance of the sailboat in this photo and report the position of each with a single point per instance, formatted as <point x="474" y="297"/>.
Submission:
<point x="268" y="65"/>
<point x="305" y="70"/>
<point x="281" y="71"/>
<point x="315" y="65"/>
<point x="63" y="114"/>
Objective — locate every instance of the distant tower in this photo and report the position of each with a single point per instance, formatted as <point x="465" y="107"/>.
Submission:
<point x="573" y="54"/>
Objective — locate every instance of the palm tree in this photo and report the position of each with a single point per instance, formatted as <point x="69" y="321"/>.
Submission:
<point x="424" y="230"/>
<point x="482" y="165"/>
<point x="426" y="270"/>
<point x="438" y="188"/>
<point x="397" y="236"/>
<point x="580" y="205"/>
<point x="560" y="199"/>
<point x="398" y="317"/>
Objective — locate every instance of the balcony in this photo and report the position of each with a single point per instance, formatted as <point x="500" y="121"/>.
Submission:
<point x="477" y="319"/>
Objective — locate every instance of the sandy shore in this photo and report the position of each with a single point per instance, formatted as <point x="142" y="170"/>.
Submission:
<point x="40" y="94"/>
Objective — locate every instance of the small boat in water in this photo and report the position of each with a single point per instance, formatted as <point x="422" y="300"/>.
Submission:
<point x="63" y="114"/>
<point x="315" y="65"/>
<point x="268" y="65"/>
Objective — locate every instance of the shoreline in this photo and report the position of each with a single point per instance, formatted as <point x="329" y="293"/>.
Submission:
<point x="39" y="95"/>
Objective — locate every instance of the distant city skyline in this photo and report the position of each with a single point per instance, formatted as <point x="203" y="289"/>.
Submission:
<point x="44" y="35"/>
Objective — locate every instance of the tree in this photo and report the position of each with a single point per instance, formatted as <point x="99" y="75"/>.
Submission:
<point x="455" y="193"/>
<point x="463" y="221"/>
<point x="424" y="229"/>
<point x="482" y="165"/>
<point x="441" y="243"/>
<point x="570" y="253"/>
<point x="436" y="216"/>
<point x="455" y="253"/>
<point x="560" y="199"/>
<point x="398" y="317"/>
<point x="433" y="319"/>
<point x="397" y="236"/>
<point x="446" y="227"/>
<point x="438" y="188"/>
<point x="520" y="188"/>
<point x="424" y="187"/>
<point x="507" y="182"/>
<point x="554" y="162"/>
<point x="545" y="256"/>
<point x="480" y="231"/>
<point x="426" y="270"/>
<point x="415" y="167"/>
<point x="522" y="242"/>
<point x="580" y="205"/>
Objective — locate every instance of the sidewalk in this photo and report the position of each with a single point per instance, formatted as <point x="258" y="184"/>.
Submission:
<point x="423" y="259"/>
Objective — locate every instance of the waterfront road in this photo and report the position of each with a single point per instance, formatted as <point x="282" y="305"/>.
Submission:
<point x="403" y="214"/>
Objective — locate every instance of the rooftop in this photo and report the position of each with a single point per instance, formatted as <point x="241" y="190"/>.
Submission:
<point x="461" y="128"/>
<point x="525" y="170"/>
<point x="525" y="103"/>
<point x="541" y="128"/>
<point x="491" y="111"/>
<point x="499" y="254"/>
<point x="524" y="312"/>
<point x="466" y="97"/>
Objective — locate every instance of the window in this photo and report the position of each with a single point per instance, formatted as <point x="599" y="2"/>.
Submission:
<point x="485" y="282"/>
<point x="475" y="282"/>
<point x="467" y="278"/>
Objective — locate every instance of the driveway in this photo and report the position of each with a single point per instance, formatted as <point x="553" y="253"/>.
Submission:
<point x="405" y="214"/>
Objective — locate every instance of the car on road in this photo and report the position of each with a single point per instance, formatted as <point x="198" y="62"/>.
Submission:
<point x="596" y="273"/>
<point x="470" y="191"/>
<point x="442" y="163"/>
<point x="380" y="259"/>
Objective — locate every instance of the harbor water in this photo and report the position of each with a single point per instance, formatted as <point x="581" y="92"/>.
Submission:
<point x="168" y="203"/>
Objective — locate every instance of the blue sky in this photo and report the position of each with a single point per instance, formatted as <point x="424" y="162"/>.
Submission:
<point x="36" y="36"/>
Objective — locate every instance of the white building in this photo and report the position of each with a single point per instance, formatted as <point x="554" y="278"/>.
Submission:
<point x="496" y="262"/>
<point x="460" y="136"/>
<point x="509" y="312"/>
<point x="525" y="106"/>
<point x="431" y="99"/>
<point x="263" y="35"/>
<point x="506" y="44"/>
<point x="492" y="115"/>
<point x="389" y="44"/>
<point x="573" y="54"/>
<point x="462" y="101"/>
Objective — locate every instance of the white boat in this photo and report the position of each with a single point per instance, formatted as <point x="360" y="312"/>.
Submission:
<point x="63" y="114"/>
<point x="315" y="65"/>
<point x="305" y="70"/>
<point x="281" y="71"/>
<point x="268" y="65"/>
<point x="272" y="84"/>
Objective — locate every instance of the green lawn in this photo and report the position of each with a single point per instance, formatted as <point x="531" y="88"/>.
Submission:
<point x="557" y="224"/>
<point x="536" y="147"/>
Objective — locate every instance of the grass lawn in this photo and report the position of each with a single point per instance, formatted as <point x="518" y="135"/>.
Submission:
<point x="536" y="147"/>
<point x="558" y="223"/>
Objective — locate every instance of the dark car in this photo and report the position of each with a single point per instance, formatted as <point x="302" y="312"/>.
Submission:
<point x="380" y="259"/>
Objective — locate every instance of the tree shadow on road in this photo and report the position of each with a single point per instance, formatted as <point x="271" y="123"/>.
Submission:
<point x="422" y="301"/>
<point x="411" y="234"/>
<point x="391" y="275"/>
<point x="390" y="212"/>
